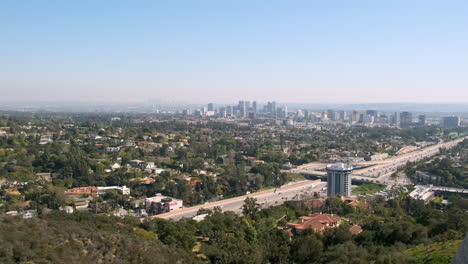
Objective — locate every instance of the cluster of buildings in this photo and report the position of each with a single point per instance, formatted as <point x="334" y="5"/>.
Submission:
<point x="146" y="206"/>
<point x="244" y="109"/>
<point x="270" y="110"/>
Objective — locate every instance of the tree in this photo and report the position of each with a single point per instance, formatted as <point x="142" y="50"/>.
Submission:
<point x="250" y="207"/>
<point x="307" y="248"/>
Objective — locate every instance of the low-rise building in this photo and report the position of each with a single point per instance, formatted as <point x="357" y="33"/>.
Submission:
<point x="90" y="190"/>
<point x="319" y="223"/>
<point x="124" y="190"/>
<point x="316" y="222"/>
<point x="423" y="192"/>
<point x="161" y="204"/>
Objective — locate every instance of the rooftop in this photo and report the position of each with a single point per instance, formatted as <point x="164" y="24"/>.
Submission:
<point x="339" y="167"/>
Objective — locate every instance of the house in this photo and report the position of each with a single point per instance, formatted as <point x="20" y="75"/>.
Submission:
<point x="113" y="149"/>
<point x="147" y="165"/>
<point x="136" y="163"/>
<point x="90" y="190"/>
<point x="81" y="205"/>
<point x="45" y="140"/>
<point x="124" y="190"/>
<point x="120" y="212"/>
<point x="162" y="204"/>
<point x="115" y="166"/>
<point x="355" y="229"/>
<point x="67" y="209"/>
<point x="146" y="180"/>
<point x="157" y="171"/>
<point x="317" y="222"/>
<point x="354" y="202"/>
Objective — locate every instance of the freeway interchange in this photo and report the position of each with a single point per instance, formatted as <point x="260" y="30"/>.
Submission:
<point x="380" y="171"/>
<point x="376" y="172"/>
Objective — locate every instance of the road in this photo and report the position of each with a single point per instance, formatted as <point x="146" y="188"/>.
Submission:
<point x="264" y="198"/>
<point x="380" y="173"/>
<point x="382" y="169"/>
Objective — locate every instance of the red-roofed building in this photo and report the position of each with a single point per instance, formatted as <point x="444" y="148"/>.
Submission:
<point x="355" y="229"/>
<point x="319" y="223"/>
<point x="90" y="190"/>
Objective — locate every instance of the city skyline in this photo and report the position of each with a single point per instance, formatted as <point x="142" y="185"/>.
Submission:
<point x="197" y="52"/>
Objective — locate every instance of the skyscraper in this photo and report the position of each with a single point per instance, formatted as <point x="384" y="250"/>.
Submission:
<point x="396" y="119"/>
<point x="331" y="114"/>
<point x="254" y="107"/>
<point x="342" y="115"/>
<point x="242" y="108"/>
<point x="210" y="107"/>
<point x="451" y="121"/>
<point x="422" y="120"/>
<point x="339" y="179"/>
<point x="406" y="119"/>
<point x="355" y="117"/>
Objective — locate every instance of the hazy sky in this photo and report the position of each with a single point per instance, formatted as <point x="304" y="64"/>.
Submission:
<point x="223" y="51"/>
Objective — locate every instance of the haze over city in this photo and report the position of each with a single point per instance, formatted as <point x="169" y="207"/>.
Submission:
<point x="220" y="51"/>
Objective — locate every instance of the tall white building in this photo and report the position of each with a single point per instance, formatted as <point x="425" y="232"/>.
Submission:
<point x="339" y="179"/>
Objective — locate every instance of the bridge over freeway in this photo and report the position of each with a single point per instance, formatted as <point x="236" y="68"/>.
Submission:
<point x="449" y="189"/>
<point x="323" y="175"/>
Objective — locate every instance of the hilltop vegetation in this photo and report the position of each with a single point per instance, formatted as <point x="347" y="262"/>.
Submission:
<point x="395" y="231"/>
<point x="81" y="238"/>
<point x="435" y="253"/>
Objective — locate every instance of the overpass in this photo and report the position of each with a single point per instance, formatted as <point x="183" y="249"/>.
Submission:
<point x="357" y="178"/>
<point x="449" y="189"/>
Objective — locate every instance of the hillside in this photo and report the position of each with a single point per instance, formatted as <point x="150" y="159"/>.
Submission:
<point x="80" y="239"/>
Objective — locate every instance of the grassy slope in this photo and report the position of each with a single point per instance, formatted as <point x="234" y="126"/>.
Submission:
<point x="435" y="253"/>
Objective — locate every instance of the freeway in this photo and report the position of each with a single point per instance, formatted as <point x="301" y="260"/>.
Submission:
<point x="264" y="198"/>
<point x="381" y="170"/>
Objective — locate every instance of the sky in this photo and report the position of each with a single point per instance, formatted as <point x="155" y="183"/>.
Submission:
<point x="224" y="51"/>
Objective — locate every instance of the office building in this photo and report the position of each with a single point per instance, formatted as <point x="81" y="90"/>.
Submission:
<point x="422" y="120"/>
<point x="254" y="107"/>
<point x="186" y="112"/>
<point x="242" y="109"/>
<point x="396" y="119"/>
<point x="406" y="119"/>
<point x="342" y="115"/>
<point x="223" y="112"/>
<point x="339" y="179"/>
<point x="451" y="121"/>
<point x="229" y="110"/>
<point x="331" y="114"/>
<point x="210" y="107"/>
<point x="355" y="116"/>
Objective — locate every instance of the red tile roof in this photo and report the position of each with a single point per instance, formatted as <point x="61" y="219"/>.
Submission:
<point x="82" y="190"/>
<point x="355" y="229"/>
<point x="318" y="222"/>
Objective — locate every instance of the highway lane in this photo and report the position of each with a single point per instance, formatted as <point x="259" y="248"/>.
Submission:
<point x="384" y="168"/>
<point x="264" y="198"/>
<point x="380" y="172"/>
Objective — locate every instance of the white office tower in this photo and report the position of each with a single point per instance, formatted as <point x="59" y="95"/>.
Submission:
<point x="339" y="179"/>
